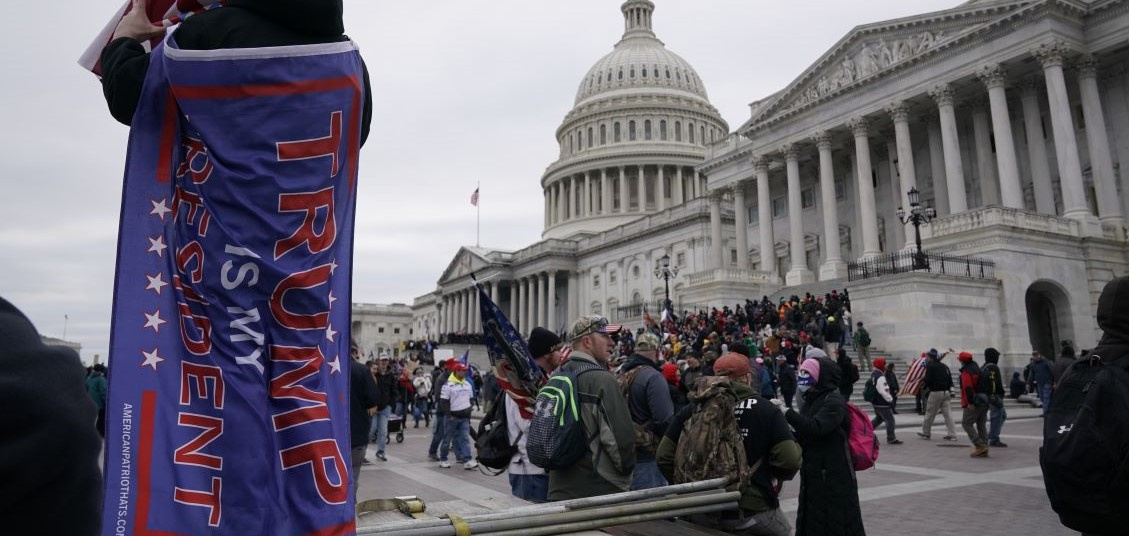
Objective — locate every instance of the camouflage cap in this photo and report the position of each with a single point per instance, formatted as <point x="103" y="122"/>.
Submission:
<point x="586" y="325"/>
<point x="646" y="342"/>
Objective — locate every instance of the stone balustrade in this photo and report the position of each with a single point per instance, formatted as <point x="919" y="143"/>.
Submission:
<point x="997" y="215"/>
<point x="732" y="274"/>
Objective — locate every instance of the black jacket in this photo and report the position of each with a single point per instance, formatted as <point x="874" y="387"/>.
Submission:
<point x="49" y="448"/>
<point x="362" y="396"/>
<point x="239" y="24"/>
<point x="387" y="389"/>
<point x="937" y="376"/>
<point x="829" y="501"/>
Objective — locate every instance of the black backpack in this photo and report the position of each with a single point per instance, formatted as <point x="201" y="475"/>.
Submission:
<point x="1085" y="452"/>
<point x="557" y="438"/>
<point x="495" y="450"/>
<point x="864" y="337"/>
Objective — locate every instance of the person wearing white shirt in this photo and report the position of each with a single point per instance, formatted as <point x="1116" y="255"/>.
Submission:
<point x="527" y="481"/>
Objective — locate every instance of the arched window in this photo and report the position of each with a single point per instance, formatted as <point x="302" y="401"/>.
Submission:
<point x="620" y="76"/>
<point x="644" y="71"/>
<point x="690" y="131"/>
<point x="662" y="129"/>
<point x="590" y="138"/>
<point x="668" y="73"/>
<point x="603" y="134"/>
<point x="570" y="143"/>
<point x="702" y="134"/>
<point x="616" y="132"/>
<point x="631" y="131"/>
<point x="579" y="140"/>
<point x="647" y="129"/>
<point x="632" y="71"/>
<point x="678" y="131"/>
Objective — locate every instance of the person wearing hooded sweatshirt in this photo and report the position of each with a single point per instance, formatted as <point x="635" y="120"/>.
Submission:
<point x="50" y="451"/>
<point x="651" y="408"/>
<point x="974" y="405"/>
<point x="239" y="24"/>
<point x="938" y="382"/>
<point x="829" y="500"/>
<point x="994" y="385"/>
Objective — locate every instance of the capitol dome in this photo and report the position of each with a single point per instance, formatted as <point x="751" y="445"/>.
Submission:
<point x="640" y="123"/>
<point x="639" y="61"/>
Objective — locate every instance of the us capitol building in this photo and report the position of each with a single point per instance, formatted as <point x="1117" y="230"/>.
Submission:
<point x="1010" y="118"/>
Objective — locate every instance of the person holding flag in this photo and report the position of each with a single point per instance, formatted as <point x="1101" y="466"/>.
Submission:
<point x="247" y="214"/>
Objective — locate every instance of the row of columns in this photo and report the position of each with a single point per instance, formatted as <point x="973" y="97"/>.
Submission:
<point x="532" y="303"/>
<point x="591" y="192"/>
<point x="1000" y="180"/>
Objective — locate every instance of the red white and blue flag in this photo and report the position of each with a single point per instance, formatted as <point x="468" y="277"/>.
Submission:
<point x="228" y="407"/>
<point x="474" y="198"/>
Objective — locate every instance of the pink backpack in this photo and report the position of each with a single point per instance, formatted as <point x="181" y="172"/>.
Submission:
<point x="861" y="440"/>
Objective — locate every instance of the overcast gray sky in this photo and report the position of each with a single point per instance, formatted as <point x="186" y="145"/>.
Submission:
<point x="464" y="91"/>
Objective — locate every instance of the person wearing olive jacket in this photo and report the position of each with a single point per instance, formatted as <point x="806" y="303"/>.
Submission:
<point x="829" y="499"/>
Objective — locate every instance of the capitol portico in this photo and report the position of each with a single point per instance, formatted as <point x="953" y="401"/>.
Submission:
<point x="1011" y="117"/>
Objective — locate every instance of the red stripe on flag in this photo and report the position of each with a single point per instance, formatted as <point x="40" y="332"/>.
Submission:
<point x="168" y="131"/>
<point x="145" y="465"/>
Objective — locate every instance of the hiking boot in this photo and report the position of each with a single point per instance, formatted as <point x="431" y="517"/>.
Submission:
<point x="894" y="442"/>
<point x="979" y="451"/>
<point x="922" y="435"/>
<point x="471" y="464"/>
<point x="445" y="464"/>
<point x="950" y="438"/>
<point x="997" y="443"/>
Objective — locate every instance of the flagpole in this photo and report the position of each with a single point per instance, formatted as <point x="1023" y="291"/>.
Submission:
<point x="477" y="216"/>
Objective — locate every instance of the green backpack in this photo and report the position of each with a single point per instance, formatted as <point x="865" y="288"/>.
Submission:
<point x="711" y="445"/>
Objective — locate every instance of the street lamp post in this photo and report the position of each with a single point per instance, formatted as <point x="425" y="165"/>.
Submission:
<point x="917" y="216"/>
<point x="666" y="272"/>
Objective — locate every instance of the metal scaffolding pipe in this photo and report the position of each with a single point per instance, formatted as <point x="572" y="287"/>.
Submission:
<point x="663" y="505"/>
<point x="556" y="507"/>
<point x="612" y="521"/>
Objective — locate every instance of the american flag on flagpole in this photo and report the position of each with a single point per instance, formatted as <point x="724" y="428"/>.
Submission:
<point x="474" y="198"/>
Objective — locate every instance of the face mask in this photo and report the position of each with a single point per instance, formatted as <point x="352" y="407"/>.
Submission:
<point x="803" y="381"/>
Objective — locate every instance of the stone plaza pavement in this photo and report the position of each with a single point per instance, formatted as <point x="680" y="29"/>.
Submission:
<point x="920" y="487"/>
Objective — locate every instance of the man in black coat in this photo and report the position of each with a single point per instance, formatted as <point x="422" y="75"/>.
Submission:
<point x="362" y="405"/>
<point x="938" y="382"/>
<point x="49" y="452"/>
<point x="829" y="500"/>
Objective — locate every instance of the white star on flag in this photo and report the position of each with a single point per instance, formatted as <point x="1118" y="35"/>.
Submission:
<point x="151" y="359"/>
<point x="332" y="298"/>
<point x="157" y="245"/>
<point x="160" y="208"/>
<point x="154" y="321"/>
<point x="332" y="266"/>
<point x="335" y="365"/>
<point x="329" y="333"/>
<point x="155" y="283"/>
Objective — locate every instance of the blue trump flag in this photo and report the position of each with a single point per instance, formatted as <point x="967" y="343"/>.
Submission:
<point x="228" y="407"/>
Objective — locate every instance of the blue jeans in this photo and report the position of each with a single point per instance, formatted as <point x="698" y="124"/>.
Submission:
<point x="1045" y="396"/>
<point x="996" y="417"/>
<point x="419" y="411"/>
<point x="647" y="475"/>
<point x="438" y="435"/>
<point x="458" y="436"/>
<point x="533" y="488"/>
<point x="380" y="427"/>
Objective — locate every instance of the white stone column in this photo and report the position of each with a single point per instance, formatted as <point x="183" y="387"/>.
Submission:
<point x="546" y="300"/>
<point x="494" y="290"/>
<point x="899" y="112"/>
<point x="799" y="273"/>
<point x="742" y="223"/>
<point x="573" y="309"/>
<point x="641" y="183"/>
<point x="937" y="163"/>
<point x="679" y="186"/>
<point x="660" y="190"/>
<point x="1011" y="189"/>
<point x="715" y="232"/>
<point x="551" y="301"/>
<point x="560" y="201"/>
<point x="522" y="305"/>
<point x="545" y="224"/>
<point x="1113" y="82"/>
<point x="475" y="311"/>
<point x="764" y="214"/>
<point x="1101" y="161"/>
<point x="868" y="218"/>
<point x="441" y="325"/>
<point x="982" y="141"/>
<point x="833" y="266"/>
<point x="889" y="152"/>
<point x="1037" y="147"/>
<point x="605" y="193"/>
<point x="694" y="193"/>
<point x="1052" y="55"/>
<point x="950" y="142"/>
<point x="623" y="198"/>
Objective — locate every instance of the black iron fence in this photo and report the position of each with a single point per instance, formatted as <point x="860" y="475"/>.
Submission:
<point x="636" y="310"/>
<point x="912" y="261"/>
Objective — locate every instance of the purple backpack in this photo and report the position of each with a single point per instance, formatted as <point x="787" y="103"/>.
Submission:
<point x="861" y="441"/>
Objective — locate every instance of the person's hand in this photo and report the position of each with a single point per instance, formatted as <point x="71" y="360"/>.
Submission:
<point x="779" y="404"/>
<point x="136" y="25"/>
